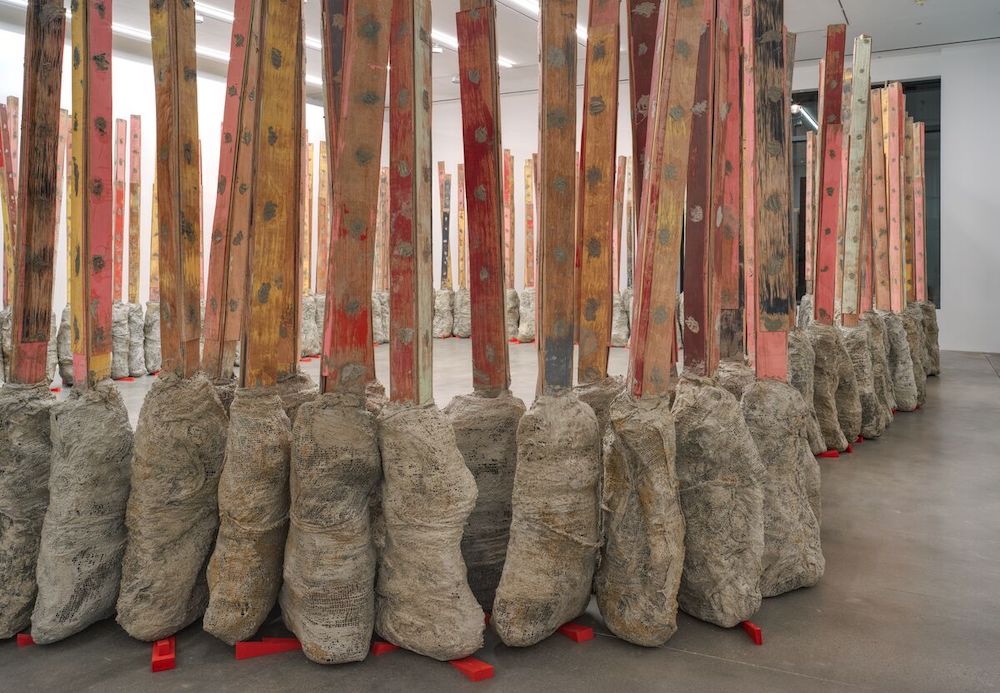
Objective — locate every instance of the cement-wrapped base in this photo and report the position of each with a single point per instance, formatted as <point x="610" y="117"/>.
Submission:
<point x="931" y="335"/>
<point x="244" y="573"/>
<point x="310" y="339"/>
<point x="51" y="352"/>
<point x="901" y="371"/>
<point x="554" y="538"/>
<point x="328" y="596"/>
<point x="423" y="602"/>
<point x="6" y="343"/>
<point x="793" y="557"/>
<point x="320" y="301"/>
<point x="380" y="317"/>
<point x="913" y="323"/>
<point x="619" y="322"/>
<point x="295" y="390"/>
<point x="801" y="376"/>
<point x="828" y="350"/>
<point x="526" y="316"/>
<point x="83" y="538"/>
<point x="735" y="376"/>
<point x="151" y="330"/>
<point x="225" y="390"/>
<point x="64" y="349"/>
<point x="512" y="312"/>
<point x="486" y="433"/>
<point x="463" y="314"/>
<point x="721" y="493"/>
<point x="858" y="343"/>
<point x="136" y="341"/>
<point x="119" y="340"/>
<point x="627" y="302"/>
<point x="444" y="316"/>
<point x="599" y="395"/>
<point x="848" y="394"/>
<point x="880" y="363"/>
<point x="173" y="510"/>
<point x="805" y="315"/>
<point x="643" y="554"/>
<point x="25" y="451"/>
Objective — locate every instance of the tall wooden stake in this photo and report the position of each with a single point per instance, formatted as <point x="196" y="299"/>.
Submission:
<point x="893" y="114"/>
<point x="879" y="202"/>
<point x="920" y="210"/>
<point x="643" y="17"/>
<point x="118" y="244"/>
<point x="618" y="222"/>
<point x="134" y="208"/>
<point x="529" y="224"/>
<point x="307" y="214"/>
<point x="909" y="216"/>
<point x="508" y="217"/>
<point x="154" y="248"/>
<point x="8" y="191"/>
<point x="444" y="191"/>
<point x="463" y="282"/>
<point x="322" y="219"/>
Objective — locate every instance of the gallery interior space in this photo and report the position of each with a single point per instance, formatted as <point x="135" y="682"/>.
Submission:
<point x="518" y="345"/>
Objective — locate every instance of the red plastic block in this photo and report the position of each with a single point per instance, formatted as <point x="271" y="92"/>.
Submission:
<point x="25" y="640"/>
<point x="473" y="669"/>
<point x="381" y="647"/>
<point x="486" y="616"/>
<point x="164" y="654"/>
<point x="829" y="455"/>
<point x="267" y="646"/>
<point x="576" y="632"/>
<point x="860" y="440"/>
<point x="55" y="389"/>
<point x="514" y="340"/>
<point x="754" y="631"/>
<point x="849" y="450"/>
<point x="128" y="379"/>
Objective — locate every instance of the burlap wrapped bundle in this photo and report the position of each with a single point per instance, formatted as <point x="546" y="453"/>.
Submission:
<point x="599" y="395"/>
<point x="805" y="315"/>
<point x="526" y="316"/>
<point x="119" y="341"/>
<point x="3" y="375"/>
<point x="793" y="557"/>
<point x="643" y="554"/>
<point x="721" y="475"/>
<point x="901" y="369"/>
<point x="422" y="601"/>
<point x="380" y="317"/>
<point x="25" y="451"/>
<point x="295" y="390"/>
<point x="444" y="316"/>
<point x="512" y="312"/>
<point x="244" y="573"/>
<point x="463" y="314"/>
<point x="52" y="351"/>
<point x="486" y="434"/>
<point x="848" y="394"/>
<point x="136" y="341"/>
<point x="931" y="335"/>
<point x="619" y="322"/>
<point x="880" y="363"/>
<point x="735" y="376"/>
<point x="913" y="323"/>
<point x="173" y="510"/>
<point x="6" y="340"/>
<point x="554" y="538"/>
<point x="829" y="359"/>
<point x="801" y="376"/>
<point x="310" y="342"/>
<point x="151" y="344"/>
<point x="83" y="538"/>
<point x="858" y="344"/>
<point x="328" y="596"/>
<point x="627" y="303"/>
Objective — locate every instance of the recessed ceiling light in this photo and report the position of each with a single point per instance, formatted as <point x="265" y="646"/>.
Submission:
<point x="199" y="19"/>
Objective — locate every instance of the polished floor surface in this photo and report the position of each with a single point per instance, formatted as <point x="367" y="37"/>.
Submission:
<point x="910" y="600"/>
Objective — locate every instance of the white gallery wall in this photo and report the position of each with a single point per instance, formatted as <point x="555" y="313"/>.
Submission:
<point x="970" y="280"/>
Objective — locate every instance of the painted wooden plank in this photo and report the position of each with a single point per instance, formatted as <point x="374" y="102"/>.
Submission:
<point x="68" y="179"/>
<point x="14" y="115"/>
<point x="857" y="190"/>
<point x="45" y="36"/>
<point x="698" y="330"/>
<point x="791" y="41"/>
<point x="879" y="205"/>
<point x="348" y="357"/>
<point x="410" y="204"/>
<point x="154" y="248"/>
<point x="643" y="16"/>
<point x="893" y="114"/>
<point x="271" y="320"/>
<point x="629" y="224"/>
<point x="749" y="188"/>
<point x="61" y="168"/>
<point x="618" y="222"/>
<point x="322" y="219"/>
<point x="830" y="175"/>
<point x="178" y="172"/>
<point x="479" y="84"/>
<point x="909" y="251"/>
<point x="463" y="281"/>
<point x="810" y="210"/>
<point x="307" y="225"/>
<point x="134" y="207"/>
<point x="444" y="192"/>
<point x="118" y="242"/>
<point x="509" y="228"/>
<point x="654" y="336"/>
<point x="8" y="189"/>
<point x="920" y="210"/>
<point x="842" y="219"/>
<point x="333" y="17"/>
<point x="229" y="243"/>
<point x="596" y="192"/>
<point x="867" y="238"/>
<point x="529" y="224"/>
<point x="381" y="276"/>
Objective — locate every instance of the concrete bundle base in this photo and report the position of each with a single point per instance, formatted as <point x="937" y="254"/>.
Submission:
<point x="64" y="348"/>
<point x="311" y="335"/>
<point x="512" y="312"/>
<point x="901" y="369"/>
<point x="802" y="376"/>
<point x="151" y="343"/>
<point x="931" y="334"/>
<point x="463" y="314"/>
<point x="827" y="382"/>
<point x="444" y="313"/>
<point x="380" y="317"/>
<point x="119" y="341"/>
<point x="619" y="322"/>
<point x="526" y="316"/>
<point x="858" y="343"/>
<point x="136" y="341"/>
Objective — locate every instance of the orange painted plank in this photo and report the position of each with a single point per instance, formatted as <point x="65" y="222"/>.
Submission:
<point x="749" y="189"/>
<point x="894" y="114"/>
<point x="463" y="282"/>
<point x="322" y="218"/>
<point x="909" y="211"/>
<point x="444" y="192"/>
<point x="118" y="244"/>
<point x="920" y="210"/>
<point x="618" y="222"/>
<point x="810" y="209"/>
<point x="508" y="218"/>
<point x="134" y="207"/>
<point x="530" y="269"/>
<point x="8" y="190"/>
<point x="879" y="205"/>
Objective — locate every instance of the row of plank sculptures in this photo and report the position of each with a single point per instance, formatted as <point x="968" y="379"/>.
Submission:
<point x="356" y="512"/>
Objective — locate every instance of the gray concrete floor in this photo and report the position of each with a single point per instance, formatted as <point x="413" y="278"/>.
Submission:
<point x="910" y="600"/>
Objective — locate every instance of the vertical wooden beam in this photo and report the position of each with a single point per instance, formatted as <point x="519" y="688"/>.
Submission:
<point x="920" y="210"/>
<point x="893" y="115"/>
<point x="479" y="83"/>
<point x="348" y="357"/>
<point x="661" y="217"/>
<point x="45" y="35"/>
<point x="444" y="191"/>
<point x="529" y="224"/>
<point x="618" y="223"/>
<point x="879" y="205"/>
<point x="134" y="208"/>
<point x="830" y="159"/>
<point x="749" y="187"/>
<point x="381" y="281"/>
<point x="271" y="319"/>
<point x="67" y="126"/>
<point x="322" y="219"/>
<point x="118" y="244"/>
<point x="699" y="329"/>
<point x="8" y="190"/>
<point x="643" y="17"/>
<point x="775" y="275"/>
<point x="411" y="286"/>
<point x="175" y="66"/>
<point x="629" y="224"/>
<point x="307" y="225"/>
<point x="61" y="167"/>
<point x="508" y="218"/>
<point x="810" y="209"/>
<point x="596" y="193"/>
<point x="857" y="188"/>
<point x="154" y="248"/>
<point x="909" y="216"/>
<point x="463" y="282"/>
<point x="333" y="15"/>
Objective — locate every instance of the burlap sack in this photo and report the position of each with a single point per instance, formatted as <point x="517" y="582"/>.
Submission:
<point x="295" y="390"/>
<point x="311" y="341"/>
<point x="380" y="318"/>
<point x="136" y="341"/>
<point x="735" y="376"/>
<point x="6" y="340"/>
<point x="913" y="322"/>
<point x="619" y="322"/>
<point x="829" y="359"/>
<point x="880" y="363"/>
<point x="64" y="348"/>
<point x="801" y="376"/>
<point x="599" y="395"/>
<point x="151" y="346"/>
<point x="931" y="334"/>
<point x="858" y="343"/>
<point x="51" y="352"/>
<point x="901" y="369"/>
<point x="119" y="340"/>
<point x="463" y="314"/>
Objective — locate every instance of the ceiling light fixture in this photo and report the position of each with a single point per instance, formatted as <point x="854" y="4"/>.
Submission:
<point x="215" y="12"/>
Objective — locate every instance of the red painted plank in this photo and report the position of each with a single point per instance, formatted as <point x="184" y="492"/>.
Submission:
<point x="619" y="219"/>
<point x="894" y="166"/>
<point x="749" y="189"/>
<point x="643" y="16"/>
<point x="118" y="243"/>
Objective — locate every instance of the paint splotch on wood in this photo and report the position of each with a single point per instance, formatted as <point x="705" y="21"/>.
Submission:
<point x="118" y="243"/>
<point x="348" y="357"/>
<point x="830" y="173"/>
<point x="463" y="281"/>
<point x="45" y="35"/>
<point x="479" y="84"/>
<point x="661" y="215"/>
<point x="596" y="193"/>
<point x="134" y="207"/>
